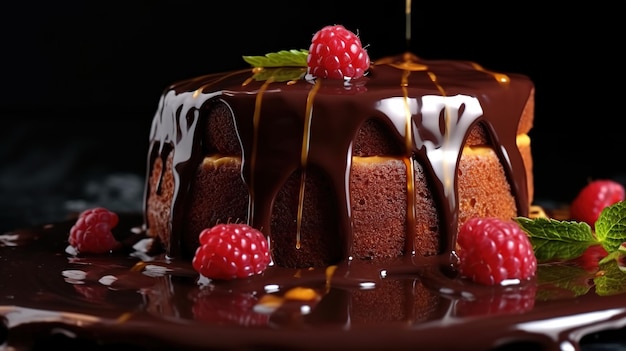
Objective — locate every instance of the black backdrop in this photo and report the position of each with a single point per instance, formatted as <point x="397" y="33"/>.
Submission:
<point x="81" y="81"/>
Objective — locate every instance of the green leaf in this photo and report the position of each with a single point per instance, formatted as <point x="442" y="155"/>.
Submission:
<point x="558" y="281"/>
<point x="612" y="282"/>
<point x="557" y="240"/>
<point x="611" y="226"/>
<point x="283" y="58"/>
<point x="621" y="262"/>
<point x="612" y="256"/>
<point x="280" y="74"/>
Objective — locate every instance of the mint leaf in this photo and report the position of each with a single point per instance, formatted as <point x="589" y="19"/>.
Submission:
<point x="611" y="226"/>
<point x="558" y="281"/>
<point x="612" y="281"/>
<point x="557" y="240"/>
<point x="284" y="74"/>
<point x="618" y="256"/>
<point x="283" y="58"/>
<point x="610" y="257"/>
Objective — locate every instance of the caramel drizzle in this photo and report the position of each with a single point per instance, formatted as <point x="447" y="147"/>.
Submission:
<point x="501" y="78"/>
<point x="448" y="175"/>
<point x="304" y="155"/>
<point x="443" y="148"/>
<point x="256" y="118"/>
<point x="410" y="167"/>
<point x="407" y="16"/>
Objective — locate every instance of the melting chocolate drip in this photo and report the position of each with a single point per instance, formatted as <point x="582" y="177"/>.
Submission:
<point x="286" y="127"/>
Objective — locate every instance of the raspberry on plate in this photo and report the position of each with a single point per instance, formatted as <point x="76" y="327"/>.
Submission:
<point x="228" y="308"/>
<point x="92" y="231"/>
<point x="593" y="198"/>
<point x="337" y="53"/>
<point x="493" y="250"/>
<point x="230" y="251"/>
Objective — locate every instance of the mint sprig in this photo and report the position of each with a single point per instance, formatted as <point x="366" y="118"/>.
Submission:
<point x="564" y="240"/>
<point x="557" y="240"/>
<point x="612" y="281"/>
<point x="282" y="74"/>
<point x="283" y="58"/>
<point x="558" y="281"/>
<point x="611" y="226"/>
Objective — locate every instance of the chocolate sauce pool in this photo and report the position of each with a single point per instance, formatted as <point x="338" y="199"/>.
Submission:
<point x="138" y="297"/>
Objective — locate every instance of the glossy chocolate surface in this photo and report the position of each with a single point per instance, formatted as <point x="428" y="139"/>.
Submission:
<point x="286" y="122"/>
<point x="134" y="297"/>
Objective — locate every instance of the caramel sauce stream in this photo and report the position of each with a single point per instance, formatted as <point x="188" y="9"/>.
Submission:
<point x="306" y="134"/>
<point x="255" y="142"/>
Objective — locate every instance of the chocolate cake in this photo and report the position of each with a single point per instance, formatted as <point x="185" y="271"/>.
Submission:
<point x="384" y="166"/>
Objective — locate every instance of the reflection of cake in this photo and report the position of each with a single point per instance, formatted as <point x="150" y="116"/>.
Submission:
<point x="320" y="166"/>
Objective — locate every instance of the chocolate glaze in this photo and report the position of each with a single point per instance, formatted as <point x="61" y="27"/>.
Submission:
<point x="286" y="123"/>
<point x="139" y="297"/>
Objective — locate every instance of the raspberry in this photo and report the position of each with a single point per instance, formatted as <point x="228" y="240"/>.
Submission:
<point x="593" y="198"/>
<point x="92" y="293"/>
<point x="92" y="231"/>
<point x="228" y="308"/>
<point x="337" y="53"/>
<point x="520" y="299"/>
<point x="230" y="251"/>
<point x="492" y="250"/>
<point x="590" y="259"/>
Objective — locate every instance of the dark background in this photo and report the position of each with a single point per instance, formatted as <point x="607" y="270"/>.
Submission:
<point x="81" y="81"/>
